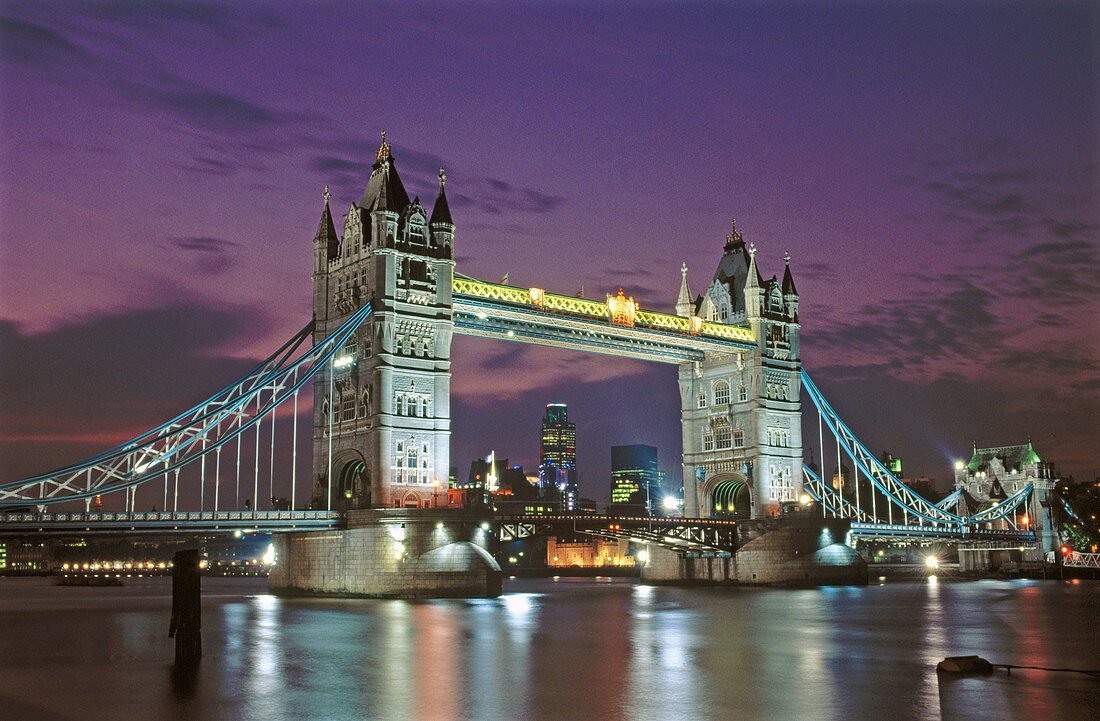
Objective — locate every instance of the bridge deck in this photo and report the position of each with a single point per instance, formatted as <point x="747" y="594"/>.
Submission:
<point x="164" y="521"/>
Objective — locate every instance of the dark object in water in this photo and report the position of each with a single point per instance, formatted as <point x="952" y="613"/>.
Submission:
<point x="964" y="664"/>
<point x="186" y="621"/>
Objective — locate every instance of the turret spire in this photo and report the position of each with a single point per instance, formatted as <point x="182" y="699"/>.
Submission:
<point x="684" y="304"/>
<point x="441" y="212"/>
<point x="326" y="230"/>
<point x="788" y="279"/>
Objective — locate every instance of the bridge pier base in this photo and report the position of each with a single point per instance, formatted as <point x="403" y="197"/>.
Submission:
<point x="774" y="552"/>
<point x="390" y="553"/>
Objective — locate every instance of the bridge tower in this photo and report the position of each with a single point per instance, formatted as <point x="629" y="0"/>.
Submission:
<point x="381" y="417"/>
<point x="741" y="412"/>
<point x="993" y="474"/>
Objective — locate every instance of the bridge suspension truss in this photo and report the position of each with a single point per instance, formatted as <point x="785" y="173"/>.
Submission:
<point x="917" y="517"/>
<point x="194" y="442"/>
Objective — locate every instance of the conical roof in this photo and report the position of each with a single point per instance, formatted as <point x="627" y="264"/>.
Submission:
<point x="326" y="230"/>
<point x="385" y="191"/>
<point x="683" y="301"/>
<point x="788" y="280"/>
<point x="441" y="212"/>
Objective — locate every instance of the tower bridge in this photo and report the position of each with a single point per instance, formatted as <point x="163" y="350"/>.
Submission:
<point x="387" y="302"/>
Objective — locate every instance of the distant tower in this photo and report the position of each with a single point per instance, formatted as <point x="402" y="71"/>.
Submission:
<point x="993" y="474"/>
<point x="389" y="412"/>
<point x="635" y="479"/>
<point x="558" y="457"/>
<point x="741" y="412"/>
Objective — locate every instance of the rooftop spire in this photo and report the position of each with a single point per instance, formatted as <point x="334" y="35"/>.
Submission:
<point x="734" y="240"/>
<point x="384" y="188"/>
<point x="441" y="212"/>
<point x="788" y="279"/>
<point x="684" y="304"/>
<point x="383" y="153"/>
<point x="326" y="229"/>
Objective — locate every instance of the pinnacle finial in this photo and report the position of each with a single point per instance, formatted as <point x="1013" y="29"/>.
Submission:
<point x="383" y="150"/>
<point x="442" y="177"/>
<point x="684" y="269"/>
<point x="786" y="257"/>
<point x="326" y="195"/>
<point x="752" y="249"/>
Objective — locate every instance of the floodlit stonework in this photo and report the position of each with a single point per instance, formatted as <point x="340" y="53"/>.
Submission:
<point x="741" y="412"/>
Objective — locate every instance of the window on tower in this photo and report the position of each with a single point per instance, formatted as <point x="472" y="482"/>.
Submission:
<point x="721" y="393"/>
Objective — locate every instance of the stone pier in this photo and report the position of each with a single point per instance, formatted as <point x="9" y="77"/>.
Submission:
<point x="770" y="552"/>
<point x="391" y="553"/>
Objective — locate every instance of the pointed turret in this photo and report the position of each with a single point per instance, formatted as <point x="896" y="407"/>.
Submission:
<point x="754" y="279"/>
<point x="441" y="226"/>
<point x="441" y="212"/>
<point x="385" y="191"/>
<point x="754" y="299"/>
<point x="788" y="280"/>
<point x="684" y="304"/>
<point x="326" y="237"/>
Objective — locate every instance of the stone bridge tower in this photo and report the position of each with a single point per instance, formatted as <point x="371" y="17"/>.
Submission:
<point x="382" y="436"/>
<point x="741" y="412"/>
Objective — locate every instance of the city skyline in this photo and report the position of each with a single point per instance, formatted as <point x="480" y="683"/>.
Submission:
<point x="932" y="174"/>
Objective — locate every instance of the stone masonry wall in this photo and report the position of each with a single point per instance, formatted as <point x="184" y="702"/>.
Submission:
<point x="389" y="554"/>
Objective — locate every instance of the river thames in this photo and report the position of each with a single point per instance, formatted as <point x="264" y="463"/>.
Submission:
<point x="554" y="649"/>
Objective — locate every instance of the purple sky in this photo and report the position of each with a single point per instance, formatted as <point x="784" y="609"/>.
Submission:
<point x="932" y="169"/>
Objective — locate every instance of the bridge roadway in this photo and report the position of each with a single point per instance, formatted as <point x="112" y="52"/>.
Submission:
<point x="699" y="535"/>
<point x="113" y="522"/>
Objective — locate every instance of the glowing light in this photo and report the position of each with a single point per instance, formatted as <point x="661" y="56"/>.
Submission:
<point x="439" y="526"/>
<point x="805" y="499"/>
<point x="959" y="465"/>
<point x="671" y="502"/>
<point x="621" y="309"/>
<point x="236" y="534"/>
<point x="485" y="526"/>
<point x="397" y="533"/>
<point x="1025" y="520"/>
<point x="511" y="334"/>
<point x="932" y="562"/>
<point x="696" y="324"/>
<point x="643" y="556"/>
<point x="269" y="555"/>
<point x="537" y="296"/>
<point x="343" y="361"/>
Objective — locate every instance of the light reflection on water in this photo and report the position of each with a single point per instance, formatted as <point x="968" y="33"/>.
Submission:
<point x="554" y="649"/>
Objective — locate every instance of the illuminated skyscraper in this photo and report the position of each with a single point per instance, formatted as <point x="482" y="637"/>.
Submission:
<point x="635" y="480"/>
<point x="558" y="457"/>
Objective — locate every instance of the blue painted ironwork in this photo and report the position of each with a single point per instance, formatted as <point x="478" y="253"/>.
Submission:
<point x="889" y="485"/>
<point x="192" y="435"/>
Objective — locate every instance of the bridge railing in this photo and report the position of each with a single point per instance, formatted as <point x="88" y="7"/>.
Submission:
<point x="168" y="516"/>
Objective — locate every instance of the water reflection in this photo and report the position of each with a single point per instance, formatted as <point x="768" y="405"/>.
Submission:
<point x="565" y="649"/>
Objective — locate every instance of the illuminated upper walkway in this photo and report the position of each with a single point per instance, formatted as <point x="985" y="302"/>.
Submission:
<point x="615" y="327"/>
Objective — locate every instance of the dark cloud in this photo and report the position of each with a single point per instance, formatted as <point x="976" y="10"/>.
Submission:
<point x="209" y="256"/>
<point x="134" y="75"/>
<point x="204" y="244"/>
<point x="953" y="319"/>
<point x="112" y="375"/>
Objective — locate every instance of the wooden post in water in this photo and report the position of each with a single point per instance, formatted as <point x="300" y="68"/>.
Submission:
<point x="186" y="622"/>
